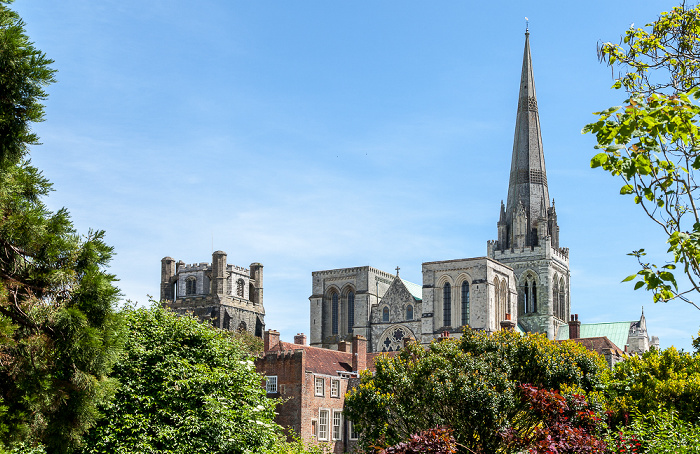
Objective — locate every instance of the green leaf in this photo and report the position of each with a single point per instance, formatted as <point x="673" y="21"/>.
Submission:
<point x="598" y="160"/>
<point x="627" y="189"/>
<point x="629" y="278"/>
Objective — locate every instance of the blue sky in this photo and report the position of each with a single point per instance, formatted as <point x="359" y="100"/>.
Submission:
<point x="315" y="135"/>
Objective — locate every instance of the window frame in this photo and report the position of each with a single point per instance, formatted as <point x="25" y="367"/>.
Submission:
<point x="335" y="392"/>
<point x="337" y="429"/>
<point x="269" y="379"/>
<point x="323" y="432"/>
<point x="352" y="434"/>
<point x="318" y="380"/>
<point x="409" y="307"/>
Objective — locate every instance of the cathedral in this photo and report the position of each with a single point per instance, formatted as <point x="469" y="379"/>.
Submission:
<point x="523" y="282"/>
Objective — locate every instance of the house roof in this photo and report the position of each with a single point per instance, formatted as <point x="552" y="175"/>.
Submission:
<point x="415" y="290"/>
<point x="320" y="360"/>
<point x="598" y="344"/>
<point x="617" y="332"/>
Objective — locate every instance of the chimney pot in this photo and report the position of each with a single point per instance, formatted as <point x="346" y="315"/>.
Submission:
<point x="359" y="353"/>
<point x="272" y="339"/>
<point x="300" y="339"/>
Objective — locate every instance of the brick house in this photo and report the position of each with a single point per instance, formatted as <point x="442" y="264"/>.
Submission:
<point x="312" y="383"/>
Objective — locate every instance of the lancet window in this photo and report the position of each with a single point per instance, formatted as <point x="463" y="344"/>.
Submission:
<point x="465" y="303"/>
<point x="334" y="313"/>
<point x="447" y="304"/>
<point x="351" y="311"/>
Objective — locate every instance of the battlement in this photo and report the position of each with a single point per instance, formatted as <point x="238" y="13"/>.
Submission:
<point x="202" y="266"/>
<point x="527" y="252"/>
<point x="237" y="268"/>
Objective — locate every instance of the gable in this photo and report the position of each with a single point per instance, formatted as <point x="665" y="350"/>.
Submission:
<point x="617" y="332"/>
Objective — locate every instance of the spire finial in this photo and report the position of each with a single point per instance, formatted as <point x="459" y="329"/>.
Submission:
<point x="527" y="26"/>
<point x="397" y="271"/>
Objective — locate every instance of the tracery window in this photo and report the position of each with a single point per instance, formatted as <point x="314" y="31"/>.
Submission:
<point x="239" y="287"/>
<point x="465" y="303"/>
<point x="385" y="314"/>
<point x="191" y="285"/>
<point x="555" y="296"/>
<point x="334" y="313"/>
<point x="447" y="304"/>
<point x="409" y="312"/>
<point x="530" y="294"/>
<point x="351" y="311"/>
<point x="393" y="338"/>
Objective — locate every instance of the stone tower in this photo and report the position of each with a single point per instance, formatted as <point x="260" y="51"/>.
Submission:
<point x="528" y="234"/>
<point x="227" y="296"/>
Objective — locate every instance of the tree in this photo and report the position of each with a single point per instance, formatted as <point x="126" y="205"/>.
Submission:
<point x="667" y="379"/>
<point x="468" y="384"/>
<point x="186" y="388"/>
<point x="59" y="334"/>
<point x="652" y="142"/>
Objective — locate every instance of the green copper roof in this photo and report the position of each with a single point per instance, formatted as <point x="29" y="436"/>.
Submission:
<point x="415" y="290"/>
<point x="617" y="332"/>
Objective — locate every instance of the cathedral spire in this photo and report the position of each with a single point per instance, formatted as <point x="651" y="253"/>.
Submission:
<point x="528" y="178"/>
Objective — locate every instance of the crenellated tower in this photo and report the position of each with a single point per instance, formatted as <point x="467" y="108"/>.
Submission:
<point x="528" y="234"/>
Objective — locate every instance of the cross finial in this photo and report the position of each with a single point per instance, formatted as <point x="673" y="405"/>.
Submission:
<point x="397" y="271"/>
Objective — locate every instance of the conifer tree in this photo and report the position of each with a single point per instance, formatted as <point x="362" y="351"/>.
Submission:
<point x="59" y="333"/>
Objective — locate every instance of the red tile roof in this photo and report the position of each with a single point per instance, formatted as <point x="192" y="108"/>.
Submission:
<point x="320" y="360"/>
<point x="597" y="344"/>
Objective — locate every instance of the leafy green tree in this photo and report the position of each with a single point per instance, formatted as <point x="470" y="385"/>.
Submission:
<point x="651" y="142"/>
<point x="185" y="388"/>
<point x="59" y="334"/>
<point x="666" y="379"/>
<point x="469" y="384"/>
<point x="658" y="432"/>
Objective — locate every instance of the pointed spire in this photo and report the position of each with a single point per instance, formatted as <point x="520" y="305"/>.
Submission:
<point x="502" y="217"/>
<point x="528" y="178"/>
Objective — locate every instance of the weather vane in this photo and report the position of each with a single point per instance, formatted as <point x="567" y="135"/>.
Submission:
<point x="527" y="25"/>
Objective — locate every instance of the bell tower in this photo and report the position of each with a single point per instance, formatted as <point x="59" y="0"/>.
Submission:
<point x="528" y="234"/>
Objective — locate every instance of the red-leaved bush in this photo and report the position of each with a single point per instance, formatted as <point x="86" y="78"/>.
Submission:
<point x="554" y="426"/>
<point x="436" y="441"/>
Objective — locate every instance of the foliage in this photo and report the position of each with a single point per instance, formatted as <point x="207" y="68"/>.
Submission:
<point x="436" y="441"/>
<point x="651" y="142"/>
<point x="24" y="72"/>
<point x="667" y="378"/>
<point x="252" y="344"/>
<point x="658" y="432"/>
<point x="59" y="334"/>
<point x="468" y="384"/>
<point x="185" y="387"/>
<point x="554" y="423"/>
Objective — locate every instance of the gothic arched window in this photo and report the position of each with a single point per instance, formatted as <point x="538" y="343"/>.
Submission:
<point x="334" y="313"/>
<point x="385" y="314"/>
<point x="562" y="300"/>
<point x="239" y="287"/>
<point x="447" y="304"/>
<point x="351" y="311"/>
<point x="465" y="303"/>
<point x="529" y="294"/>
<point x="409" y="312"/>
<point x="191" y="285"/>
<point x="555" y="297"/>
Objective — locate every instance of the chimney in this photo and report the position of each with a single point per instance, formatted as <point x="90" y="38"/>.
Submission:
<point x="574" y="327"/>
<point x="300" y="339"/>
<point x="444" y="336"/>
<point x="343" y="346"/>
<point x="359" y="356"/>
<point x="272" y="339"/>
<point x="507" y="324"/>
